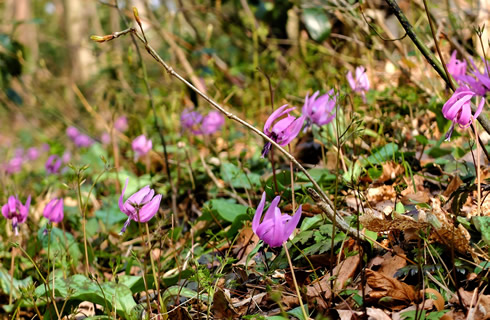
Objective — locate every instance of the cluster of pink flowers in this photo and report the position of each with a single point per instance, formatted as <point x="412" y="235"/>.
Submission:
<point x="471" y="85"/>
<point x="81" y="140"/>
<point x="199" y="124"/>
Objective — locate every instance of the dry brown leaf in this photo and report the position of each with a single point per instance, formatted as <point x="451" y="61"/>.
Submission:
<point x="246" y="242"/>
<point x="447" y="233"/>
<point x="382" y="286"/>
<point x="399" y="222"/>
<point x="392" y="262"/>
<point x="417" y="197"/>
<point x="474" y="299"/>
<point x="452" y="186"/>
<point x="377" y="314"/>
<point x="384" y="192"/>
<point x="438" y="301"/>
<point x="391" y="170"/>
<point x="343" y="272"/>
<point x="222" y="307"/>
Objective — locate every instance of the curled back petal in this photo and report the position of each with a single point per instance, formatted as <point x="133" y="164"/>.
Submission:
<point x="274" y="116"/>
<point x="258" y="214"/>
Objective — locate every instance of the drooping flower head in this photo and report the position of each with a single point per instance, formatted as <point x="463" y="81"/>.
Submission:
<point x="212" y="122"/>
<point x="53" y="164"/>
<point x="455" y="67"/>
<point x="54" y="210"/>
<point x="320" y="110"/>
<point x="141" y="146"/>
<point x="284" y="130"/>
<point x="276" y="227"/>
<point x="17" y="212"/>
<point x="361" y="83"/>
<point x="458" y="109"/>
<point x="141" y="206"/>
<point x="191" y="120"/>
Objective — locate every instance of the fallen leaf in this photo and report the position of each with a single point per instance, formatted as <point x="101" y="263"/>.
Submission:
<point x="393" y="262"/>
<point x="222" y="307"/>
<point x="437" y="297"/>
<point x="377" y="314"/>
<point x="343" y="272"/>
<point x="400" y="294"/>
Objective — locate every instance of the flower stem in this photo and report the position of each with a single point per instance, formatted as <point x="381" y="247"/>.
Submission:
<point x="305" y="315"/>
<point x="292" y="179"/>
<point x="155" y="276"/>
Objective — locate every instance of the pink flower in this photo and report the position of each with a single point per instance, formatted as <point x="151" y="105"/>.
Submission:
<point x="17" y="212"/>
<point x="83" y="141"/>
<point x="212" y="122"/>
<point x="456" y="67"/>
<point x="190" y="120"/>
<point x="458" y="109"/>
<point x="32" y="153"/>
<point x="72" y="132"/>
<point x="276" y="227"/>
<point x="14" y="165"/>
<point x="54" y="210"/>
<point x="141" y="206"/>
<point x="121" y="124"/>
<point x="53" y="164"/>
<point x="284" y="130"/>
<point x="141" y="146"/>
<point x="361" y="83"/>
<point x="320" y="111"/>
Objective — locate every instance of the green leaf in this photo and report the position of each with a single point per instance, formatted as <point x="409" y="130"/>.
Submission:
<point x="317" y="23"/>
<point x="296" y="312"/>
<point x="17" y="284"/>
<point x="60" y="241"/>
<point x="227" y="210"/>
<point x="482" y="224"/>
<point x="309" y="223"/>
<point x="237" y="178"/>
<point x="80" y="288"/>
<point x="386" y="152"/>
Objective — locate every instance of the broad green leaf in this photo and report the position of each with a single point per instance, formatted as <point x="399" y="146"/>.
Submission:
<point x="80" y="288"/>
<point x="317" y="23"/>
<point x="17" y="284"/>
<point x="237" y="178"/>
<point x="227" y="210"/>
<point x="482" y="224"/>
<point x="60" y="241"/>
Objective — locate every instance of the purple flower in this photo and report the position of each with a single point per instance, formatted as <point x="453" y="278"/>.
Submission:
<point x="83" y="141"/>
<point x="53" y="164"/>
<point x="32" y="153"/>
<point x="276" y="227"/>
<point x="455" y="67"/>
<point x="361" y="83"/>
<point x="141" y="146"/>
<point x="141" y="206"/>
<point x="72" y="132"/>
<point x="212" y="122"/>
<point x="14" y="165"/>
<point x="190" y="120"/>
<point x="458" y="109"/>
<point x="320" y="111"/>
<point x="121" y="124"/>
<point x="282" y="131"/>
<point x="16" y="211"/>
<point x="54" y="210"/>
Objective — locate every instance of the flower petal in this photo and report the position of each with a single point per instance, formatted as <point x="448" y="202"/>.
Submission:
<point x="149" y="210"/>
<point x="258" y="214"/>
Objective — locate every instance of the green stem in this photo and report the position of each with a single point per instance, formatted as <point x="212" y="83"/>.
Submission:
<point x="305" y="315"/>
